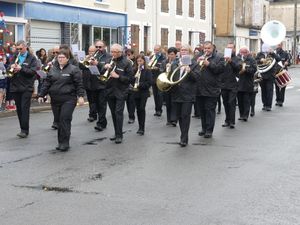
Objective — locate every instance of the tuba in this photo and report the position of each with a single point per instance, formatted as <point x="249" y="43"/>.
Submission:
<point x="10" y="72"/>
<point x="165" y="80"/>
<point x="272" y="33"/>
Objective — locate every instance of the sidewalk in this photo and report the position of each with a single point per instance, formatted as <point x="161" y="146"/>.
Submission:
<point x="35" y="107"/>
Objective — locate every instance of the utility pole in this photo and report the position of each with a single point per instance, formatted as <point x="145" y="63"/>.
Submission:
<point x="295" y="31"/>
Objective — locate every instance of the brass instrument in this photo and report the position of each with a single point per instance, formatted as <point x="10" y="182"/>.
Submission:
<point x="137" y="79"/>
<point x="48" y="67"/>
<point x="201" y="62"/>
<point x="105" y="77"/>
<point x="10" y="72"/>
<point x="152" y="61"/>
<point x="243" y="65"/>
<point x="165" y="81"/>
<point x="88" y="59"/>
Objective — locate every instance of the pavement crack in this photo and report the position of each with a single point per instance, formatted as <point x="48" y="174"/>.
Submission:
<point x="94" y="141"/>
<point x="47" y="188"/>
<point x="22" y="159"/>
<point x="25" y="205"/>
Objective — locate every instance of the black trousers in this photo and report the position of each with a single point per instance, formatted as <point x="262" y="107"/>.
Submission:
<point x="244" y="103"/>
<point x="130" y="103"/>
<point x="196" y="108"/>
<point x="23" y="101"/>
<point x="158" y="98"/>
<point x="207" y="107"/>
<point x="280" y="94"/>
<point x="140" y="104"/>
<point x="183" y="112"/>
<point x="229" y="102"/>
<point x="63" y="111"/>
<point x="267" y="92"/>
<point x="92" y="98"/>
<point x="170" y="108"/>
<point x="116" y="106"/>
<point x="219" y="103"/>
<point x="252" y="101"/>
<point x="101" y="106"/>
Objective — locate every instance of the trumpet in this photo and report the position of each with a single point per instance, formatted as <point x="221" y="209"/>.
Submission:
<point x="152" y="61"/>
<point x="88" y="59"/>
<point x="10" y="72"/>
<point x="105" y="77"/>
<point x="47" y="68"/>
<point x="137" y="79"/>
<point x="243" y="65"/>
<point x="201" y="62"/>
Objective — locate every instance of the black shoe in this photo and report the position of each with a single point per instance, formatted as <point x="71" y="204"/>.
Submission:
<point x="208" y="135"/>
<point x="140" y="132"/>
<point x="225" y="125"/>
<point x="98" y="128"/>
<point x="113" y="138"/>
<point x="182" y="144"/>
<point x="280" y="104"/>
<point x="276" y="103"/>
<point x="130" y="121"/>
<point x="118" y="140"/>
<point x="54" y="126"/>
<point x="157" y="113"/>
<point x="62" y="148"/>
<point x="201" y="133"/>
<point x="264" y="108"/>
<point x="252" y="114"/>
<point x="268" y="109"/>
<point x="245" y="119"/>
<point x="231" y="126"/>
<point x="91" y="119"/>
<point x="22" y="135"/>
<point x="174" y="124"/>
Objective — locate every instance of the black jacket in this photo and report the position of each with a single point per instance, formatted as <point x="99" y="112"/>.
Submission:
<point x="246" y="79"/>
<point x="144" y="84"/>
<point x="24" y="79"/>
<point x="270" y="74"/>
<point x="119" y="87"/>
<point x="63" y="84"/>
<point x="284" y="56"/>
<point x="230" y="74"/>
<point x="185" y="90"/>
<point x="209" y="81"/>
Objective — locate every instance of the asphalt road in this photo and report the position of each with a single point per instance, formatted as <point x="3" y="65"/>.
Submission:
<point x="242" y="176"/>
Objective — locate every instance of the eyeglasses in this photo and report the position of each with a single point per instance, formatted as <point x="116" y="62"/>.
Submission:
<point x="99" y="46"/>
<point x="19" y="49"/>
<point x="55" y="52"/>
<point x="115" y="51"/>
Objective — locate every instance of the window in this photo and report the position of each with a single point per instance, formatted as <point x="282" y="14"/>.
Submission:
<point x="179" y="7"/>
<point x="165" y="6"/>
<point x="140" y="4"/>
<point x="135" y="37"/>
<point x="178" y="35"/>
<point x="201" y="37"/>
<point x="164" y="37"/>
<point x="202" y="10"/>
<point x="191" y="8"/>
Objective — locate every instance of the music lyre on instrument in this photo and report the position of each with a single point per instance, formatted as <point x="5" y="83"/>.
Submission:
<point x="10" y="72"/>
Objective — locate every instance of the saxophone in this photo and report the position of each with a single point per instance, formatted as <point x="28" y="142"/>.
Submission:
<point x="10" y="72"/>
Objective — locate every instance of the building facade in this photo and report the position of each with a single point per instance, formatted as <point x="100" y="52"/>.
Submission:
<point x="166" y="21"/>
<point x="49" y="23"/>
<point x="240" y="22"/>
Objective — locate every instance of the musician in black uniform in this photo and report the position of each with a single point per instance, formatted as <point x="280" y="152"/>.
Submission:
<point x="143" y="81"/>
<point x="154" y="64"/>
<point x="120" y="76"/>
<point x="229" y="86"/>
<point x="209" y="87"/>
<point x="101" y="58"/>
<point x="90" y="84"/>
<point x="165" y="67"/>
<point x="64" y="85"/>
<point x="183" y="94"/>
<point x="21" y="84"/>
<point x="284" y="58"/>
<point x="130" y="100"/>
<point x="268" y="77"/>
<point x="246" y="82"/>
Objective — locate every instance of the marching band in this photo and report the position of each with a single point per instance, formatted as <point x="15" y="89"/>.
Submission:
<point x="177" y="77"/>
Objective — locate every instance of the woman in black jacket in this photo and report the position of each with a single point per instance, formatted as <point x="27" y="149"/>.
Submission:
<point x="64" y="85"/>
<point x="183" y="94"/>
<point x="143" y="81"/>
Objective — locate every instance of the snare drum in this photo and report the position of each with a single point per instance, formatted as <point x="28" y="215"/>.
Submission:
<point x="282" y="79"/>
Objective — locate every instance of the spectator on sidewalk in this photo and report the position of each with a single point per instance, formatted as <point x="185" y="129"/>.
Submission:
<point x="3" y="81"/>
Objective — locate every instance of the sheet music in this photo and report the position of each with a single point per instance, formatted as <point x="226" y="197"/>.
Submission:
<point x="186" y="60"/>
<point x="227" y="52"/>
<point x="94" y="70"/>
